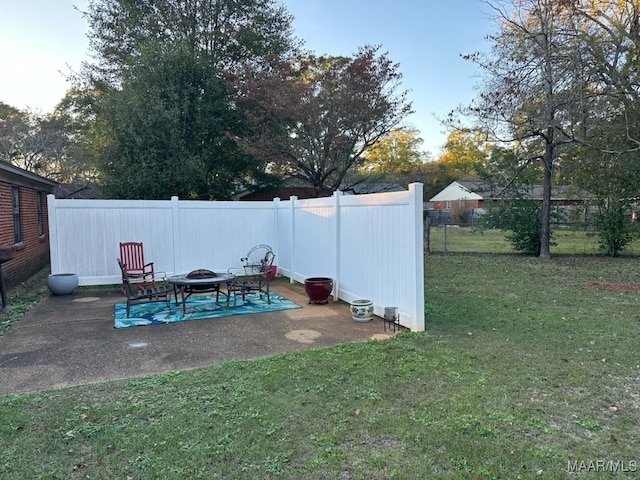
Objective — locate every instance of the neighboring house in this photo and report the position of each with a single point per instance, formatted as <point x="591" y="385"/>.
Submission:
<point x="465" y="200"/>
<point x="24" y="221"/>
<point x="455" y="193"/>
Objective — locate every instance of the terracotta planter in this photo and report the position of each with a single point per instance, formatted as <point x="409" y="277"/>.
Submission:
<point x="318" y="289"/>
<point x="62" y="283"/>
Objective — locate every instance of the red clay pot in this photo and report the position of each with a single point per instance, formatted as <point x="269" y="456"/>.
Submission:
<point x="318" y="289"/>
<point x="273" y="271"/>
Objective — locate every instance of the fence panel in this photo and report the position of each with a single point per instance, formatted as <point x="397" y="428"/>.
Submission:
<point x="380" y="254"/>
<point x="217" y="238"/>
<point x="84" y="235"/>
<point x="371" y="245"/>
<point x="315" y="231"/>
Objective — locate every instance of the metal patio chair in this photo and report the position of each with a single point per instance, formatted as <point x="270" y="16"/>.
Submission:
<point x="158" y="291"/>
<point x="255" y="275"/>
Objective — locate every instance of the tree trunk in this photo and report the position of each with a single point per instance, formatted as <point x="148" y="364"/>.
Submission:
<point x="545" y="228"/>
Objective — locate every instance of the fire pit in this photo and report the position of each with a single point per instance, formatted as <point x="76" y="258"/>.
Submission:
<point x="200" y="281"/>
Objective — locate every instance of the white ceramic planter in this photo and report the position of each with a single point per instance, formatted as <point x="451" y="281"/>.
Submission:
<point x="361" y="310"/>
<point x="62" y="283"/>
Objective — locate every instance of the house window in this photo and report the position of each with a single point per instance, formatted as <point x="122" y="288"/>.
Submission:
<point x="40" y="220"/>
<point x="17" y="232"/>
<point x="447" y="205"/>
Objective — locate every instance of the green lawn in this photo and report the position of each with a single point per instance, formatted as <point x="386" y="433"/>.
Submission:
<point x="469" y="239"/>
<point x="528" y="368"/>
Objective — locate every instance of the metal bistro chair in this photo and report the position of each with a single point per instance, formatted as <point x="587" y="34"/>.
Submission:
<point x="137" y="270"/>
<point x="255" y="275"/>
<point x="143" y="293"/>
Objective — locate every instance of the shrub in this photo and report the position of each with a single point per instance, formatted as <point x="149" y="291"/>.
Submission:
<point x="614" y="228"/>
<point x="521" y="219"/>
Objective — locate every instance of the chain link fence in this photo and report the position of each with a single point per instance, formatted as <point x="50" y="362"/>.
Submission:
<point x="471" y="238"/>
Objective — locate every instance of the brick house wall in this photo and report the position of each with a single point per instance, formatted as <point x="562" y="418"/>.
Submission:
<point x="32" y="249"/>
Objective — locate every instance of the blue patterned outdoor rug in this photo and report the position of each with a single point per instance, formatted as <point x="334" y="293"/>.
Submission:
<point x="198" y="307"/>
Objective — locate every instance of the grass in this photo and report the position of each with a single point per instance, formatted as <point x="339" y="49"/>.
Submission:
<point x="21" y="298"/>
<point x="528" y="369"/>
<point x="454" y="239"/>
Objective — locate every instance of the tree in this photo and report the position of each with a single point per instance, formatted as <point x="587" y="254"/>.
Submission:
<point x="434" y="175"/>
<point x="535" y="92"/>
<point x="463" y="154"/>
<point x="395" y="159"/>
<point x="229" y="33"/>
<point x="398" y="152"/>
<point x="319" y="115"/>
<point x="166" y="122"/>
<point x="76" y="115"/>
<point x="37" y="143"/>
<point x="171" y="130"/>
<point x="613" y="179"/>
<point x="563" y="86"/>
<point x="464" y="151"/>
<point x="611" y="39"/>
<point x="14" y="128"/>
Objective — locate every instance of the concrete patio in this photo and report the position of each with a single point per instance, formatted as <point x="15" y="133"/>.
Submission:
<point x="70" y="340"/>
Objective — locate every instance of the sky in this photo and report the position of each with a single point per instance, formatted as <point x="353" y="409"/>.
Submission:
<point x="43" y="41"/>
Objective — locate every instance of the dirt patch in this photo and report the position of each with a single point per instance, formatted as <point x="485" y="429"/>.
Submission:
<point x="615" y="287"/>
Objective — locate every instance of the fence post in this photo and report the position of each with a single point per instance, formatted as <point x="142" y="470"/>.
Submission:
<point x="53" y="234"/>
<point x="175" y="214"/>
<point x="276" y="209"/>
<point x="445" y="237"/>
<point x="418" y="273"/>
<point x="292" y="206"/>
<point x="336" y="281"/>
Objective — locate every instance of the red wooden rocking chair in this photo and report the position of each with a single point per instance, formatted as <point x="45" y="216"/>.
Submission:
<point x="135" y="268"/>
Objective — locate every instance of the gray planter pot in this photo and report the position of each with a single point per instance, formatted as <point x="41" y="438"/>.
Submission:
<point x="62" y="283"/>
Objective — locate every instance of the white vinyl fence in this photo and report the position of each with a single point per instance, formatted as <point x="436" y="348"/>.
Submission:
<point x="371" y="245"/>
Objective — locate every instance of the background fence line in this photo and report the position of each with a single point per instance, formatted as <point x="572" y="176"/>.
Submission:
<point x="465" y="238"/>
<point x="371" y="245"/>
